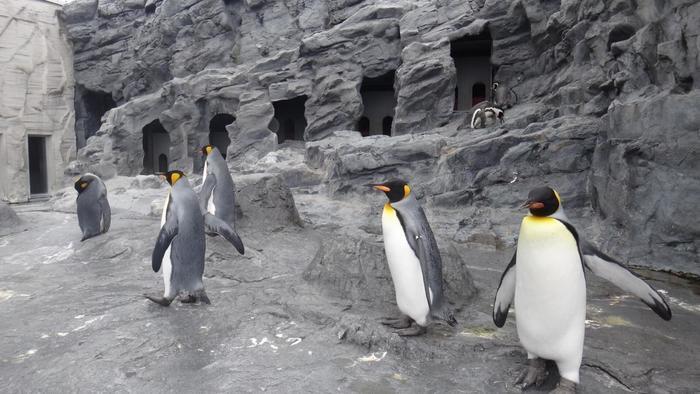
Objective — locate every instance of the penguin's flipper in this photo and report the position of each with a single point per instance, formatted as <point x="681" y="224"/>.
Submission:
<point x="504" y="294"/>
<point x="165" y="236"/>
<point x="207" y="189"/>
<point x="106" y="213"/>
<point x="476" y="116"/>
<point x="614" y="272"/>
<point x="216" y="225"/>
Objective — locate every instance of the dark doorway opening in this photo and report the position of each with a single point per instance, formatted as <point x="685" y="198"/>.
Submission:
<point x="478" y="93"/>
<point x="218" y="135"/>
<point x="290" y="119"/>
<point x="156" y="148"/>
<point x="379" y="102"/>
<point x="90" y="106"/>
<point x="363" y="126"/>
<point x="386" y="125"/>
<point x="38" y="173"/>
<point x="472" y="57"/>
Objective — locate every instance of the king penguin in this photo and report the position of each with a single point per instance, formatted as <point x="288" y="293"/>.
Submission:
<point x="181" y="244"/>
<point x="545" y="279"/>
<point x="218" y="193"/>
<point x="414" y="261"/>
<point x="94" y="213"/>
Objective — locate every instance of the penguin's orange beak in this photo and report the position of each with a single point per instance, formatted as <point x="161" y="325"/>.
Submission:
<point x="383" y="188"/>
<point x="533" y="205"/>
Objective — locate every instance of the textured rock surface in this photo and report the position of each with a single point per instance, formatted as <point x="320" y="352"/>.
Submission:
<point x="8" y="219"/>
<point x="36" y="81"/>
<point x="590" y="77"/>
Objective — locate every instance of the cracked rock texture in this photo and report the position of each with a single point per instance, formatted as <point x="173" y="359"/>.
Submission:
<point x="606" y="112"/>
<point x="36" y="85"/>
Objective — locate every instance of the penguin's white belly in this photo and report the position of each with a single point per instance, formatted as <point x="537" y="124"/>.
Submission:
<point x="405" y="269"/>
<point x="167" y="265"/>
<point x="211" y="208"/>
<point x="550" y="291"/>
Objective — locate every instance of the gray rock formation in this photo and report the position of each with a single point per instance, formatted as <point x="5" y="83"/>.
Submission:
<point x="8" y="219"/>
<point x="605" y="94"/>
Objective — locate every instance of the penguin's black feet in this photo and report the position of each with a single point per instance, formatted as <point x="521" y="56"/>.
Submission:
<point x="396" y="322"/>
<point x="413" y="331"/>
<point x="202" y="296"/>
<point x="564" y="386"/>
<point x="159" y="300"/>
<point x="533" y="375"/>
<point x="189" y="299"/>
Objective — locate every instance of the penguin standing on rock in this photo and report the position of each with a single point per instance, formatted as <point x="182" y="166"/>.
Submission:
<point x="414" y="261"/>
<point x="218" y="193"/>
<point x="181" y="243"/>
<point x="94" y="213"/>
<point x="546" y="281"/>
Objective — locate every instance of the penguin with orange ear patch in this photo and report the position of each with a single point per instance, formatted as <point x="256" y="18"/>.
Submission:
<point x="94" y="213"/>
<point x="414" y="262"/>
<point x="181" y="244"/>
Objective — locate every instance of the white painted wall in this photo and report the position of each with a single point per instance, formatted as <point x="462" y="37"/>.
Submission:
<point x="471" y="70"/>
<point x="36" y="81"/>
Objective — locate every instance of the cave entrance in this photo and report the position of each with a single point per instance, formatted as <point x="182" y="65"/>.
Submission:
<point x="218" y="135"/>
<point x="472" y="57"/>
<point x="156" y="147"/>
<point x="90" y="107"/>
<point x="379" y="102"/>
<point x="291" y="121"/>
<point x="38" y="174"/>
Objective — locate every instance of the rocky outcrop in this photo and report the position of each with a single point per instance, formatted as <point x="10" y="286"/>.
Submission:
<point x="586" y="76"/>
<point x="36" y="80"/>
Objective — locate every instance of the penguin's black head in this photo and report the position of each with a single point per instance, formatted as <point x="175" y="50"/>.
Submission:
<point x="395" y="189"/>
<point x="173" y="176"/>
<point x="206" y="149"/>
<point x="82" y="183"/>
<point x="542" y="201"/>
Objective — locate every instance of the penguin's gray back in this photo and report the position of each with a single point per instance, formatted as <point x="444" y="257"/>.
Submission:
<point x="223" y="195"/>
<point x="90" y="205"/>
<point x="421" y="238"/>
<point x="188" y="246"/>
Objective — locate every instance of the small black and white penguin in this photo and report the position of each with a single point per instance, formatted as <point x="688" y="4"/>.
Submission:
<point x="485" y="115"/>
<point x="414" y="261"/>
<point x="94" y="213"/>
<point x="218" y="193"/>
<point x="181" y="242"/>
<point x="545" y="279"/>
<point x="503" y="96"/>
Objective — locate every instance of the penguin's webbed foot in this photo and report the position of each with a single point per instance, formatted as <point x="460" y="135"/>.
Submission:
<point x="396" y="322"/>
<point x="534" y="375"/>
<point x="189" y="299"/>
<point x="565" y="386"/>
<point x="413" y="331"/>
<point x="159" y="300"/>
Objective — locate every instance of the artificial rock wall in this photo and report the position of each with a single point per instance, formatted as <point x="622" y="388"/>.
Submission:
<point x="36" y="85"/>
<point x="607" y="89"/>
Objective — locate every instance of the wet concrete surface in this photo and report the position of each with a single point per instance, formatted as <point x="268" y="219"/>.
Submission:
<point x="73" y="318"/>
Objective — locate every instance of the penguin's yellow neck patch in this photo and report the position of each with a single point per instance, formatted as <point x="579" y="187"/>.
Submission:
<point x="538" y="228"/>
<point x="209" y="149"/>
<point x="83" y="185"/>
<point x="406" y="191"/>
<point x="557" y="195"/>
<point x="174" y="178"/>
<point x="389" y="210"/>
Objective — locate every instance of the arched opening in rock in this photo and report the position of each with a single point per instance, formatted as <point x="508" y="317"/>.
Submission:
<point x="386" y="125"/>
<point x="290" y="119"/>
<point x="156" y="147"/>
<point x="218" y="135"/>
<point x="620" y="33"/>
<point x="363" y="126"/>
<point x="90" y="106"/>
<point x="472" y="57"/>
<point x="379" y="102"/>
<point x="478" y="93"/>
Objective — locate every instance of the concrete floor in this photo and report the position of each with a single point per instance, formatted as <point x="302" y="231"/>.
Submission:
<point x="73" y="318"/>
